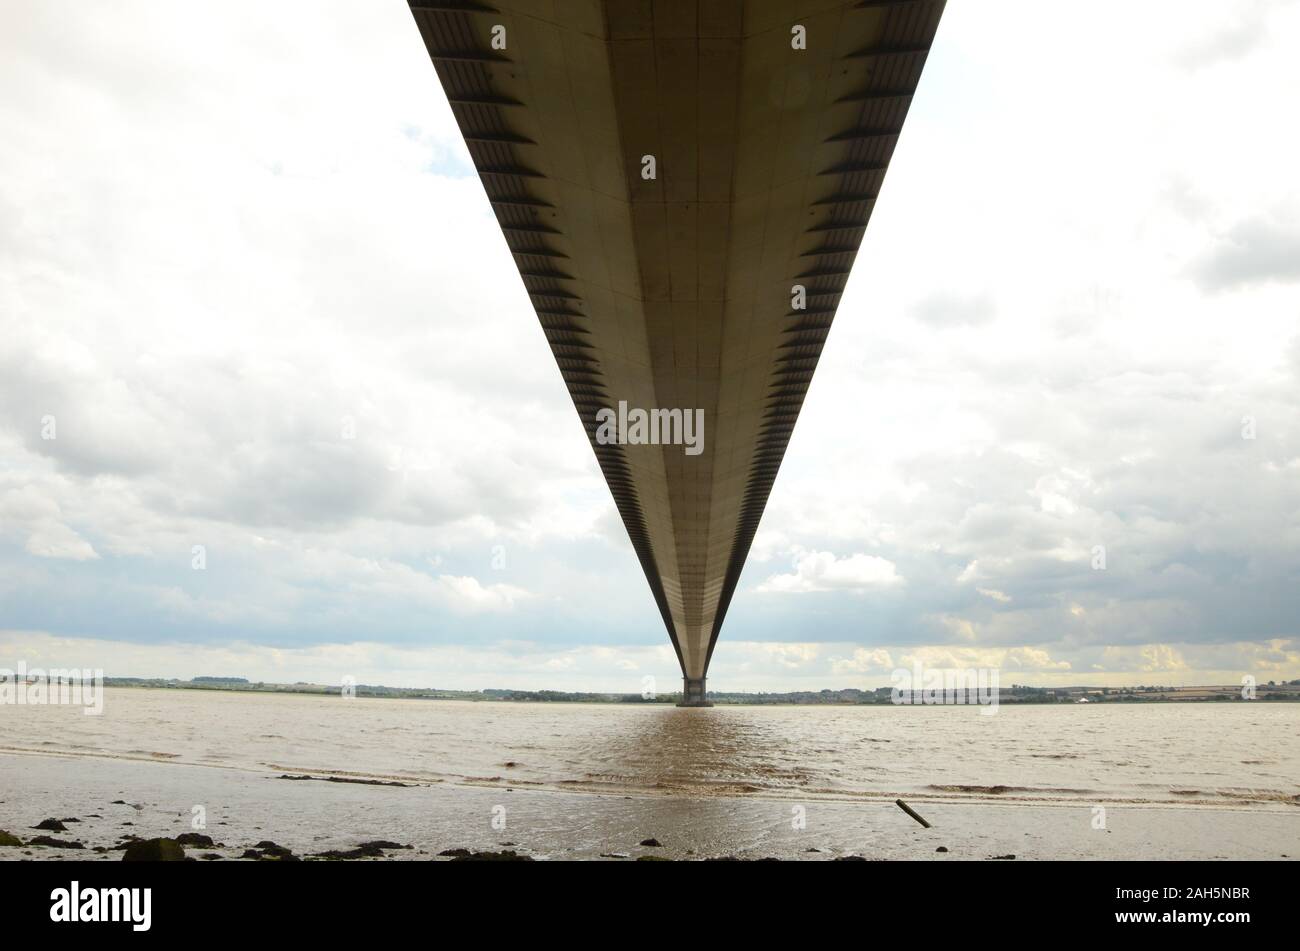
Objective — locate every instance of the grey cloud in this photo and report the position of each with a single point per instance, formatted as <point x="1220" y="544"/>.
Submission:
<point x="98" y="425"/>
<point x="1253" y="252"/>
<point x="1143" y="459"/>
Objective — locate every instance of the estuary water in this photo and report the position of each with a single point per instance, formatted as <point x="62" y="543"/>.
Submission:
<point x="729" y="778"/>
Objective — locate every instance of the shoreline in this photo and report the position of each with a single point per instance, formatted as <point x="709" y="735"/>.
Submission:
<point x="119" y="798"/>
<point x="1081" y="695"/>
<point x="963" y="794"/>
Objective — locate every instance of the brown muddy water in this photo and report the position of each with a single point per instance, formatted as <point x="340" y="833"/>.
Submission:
<point x="572" y="780"/>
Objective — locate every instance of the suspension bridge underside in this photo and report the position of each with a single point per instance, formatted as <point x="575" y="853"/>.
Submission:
<point x="684" y="185"/>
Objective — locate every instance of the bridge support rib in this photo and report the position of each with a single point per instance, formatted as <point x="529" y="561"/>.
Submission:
<point x="693" y="693"/>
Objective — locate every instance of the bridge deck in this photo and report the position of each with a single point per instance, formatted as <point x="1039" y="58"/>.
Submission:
<point x="677" y="291"/>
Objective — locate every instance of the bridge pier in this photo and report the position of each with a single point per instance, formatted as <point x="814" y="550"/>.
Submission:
<point x="693" y="693"/>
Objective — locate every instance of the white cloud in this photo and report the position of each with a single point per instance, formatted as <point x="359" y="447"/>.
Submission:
<point x="788" y="656"/>
<point x="55" y="540"/>
<point x="1030" y="658"/>
<point x="1016" y="661"/>
<point x="822" y="571"/>
<point x="863" y="661"/>
<point x="472" y="594"/>
<point x="745" y="666"/>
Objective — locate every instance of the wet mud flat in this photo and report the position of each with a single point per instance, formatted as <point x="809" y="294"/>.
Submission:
<point x="57" y="808"/>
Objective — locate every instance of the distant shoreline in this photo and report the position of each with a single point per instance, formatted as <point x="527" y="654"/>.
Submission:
<point x="1287" y="692"/>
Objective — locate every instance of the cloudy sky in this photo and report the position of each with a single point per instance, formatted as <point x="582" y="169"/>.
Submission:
<point x="251" y="287"/>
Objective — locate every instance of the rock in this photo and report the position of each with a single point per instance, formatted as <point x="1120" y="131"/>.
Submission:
<point x="196" y="839"/>
<point x="154" y="850"/>
<point x="456" y="853"/>
<point x="506" y="856"/>
<point x="55" y="843"/>
<point x="850" y="858"/>
<point x="50" y="825"/>
<point x="366" y="850"/>
<point x="652" y="858"/>
<point x="942" y="848"/>
<point x="270" y="852"/>
<point x="1003" y="858"/>
<point x="9" y="841"/>
<point x="614" y="855"/>
<point x="210" y="856"/>
<point x="651" y="843"/>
